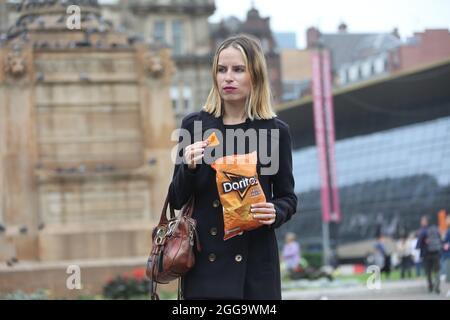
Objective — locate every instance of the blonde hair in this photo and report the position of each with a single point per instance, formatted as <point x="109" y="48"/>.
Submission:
<point x="259" y="102"/>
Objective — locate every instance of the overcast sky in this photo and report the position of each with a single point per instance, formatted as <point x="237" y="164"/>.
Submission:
<point x="360" y="15"/>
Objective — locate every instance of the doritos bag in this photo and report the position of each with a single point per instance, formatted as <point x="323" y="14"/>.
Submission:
<point x="238" y="187"/>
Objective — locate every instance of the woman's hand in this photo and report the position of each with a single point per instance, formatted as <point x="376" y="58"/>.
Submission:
<point x="194" y="152"/>
<point x="264" y="212"/>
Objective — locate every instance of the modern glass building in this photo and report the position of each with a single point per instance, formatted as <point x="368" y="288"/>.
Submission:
<point x="392" y="157"/>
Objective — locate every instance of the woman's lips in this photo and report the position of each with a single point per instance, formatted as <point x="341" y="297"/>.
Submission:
<point x="229" y="89"/>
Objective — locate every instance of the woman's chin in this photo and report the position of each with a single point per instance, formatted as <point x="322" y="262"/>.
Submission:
<point x="233" y="99"/>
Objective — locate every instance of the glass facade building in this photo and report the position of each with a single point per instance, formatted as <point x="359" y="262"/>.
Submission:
<point x="387" y="181"/>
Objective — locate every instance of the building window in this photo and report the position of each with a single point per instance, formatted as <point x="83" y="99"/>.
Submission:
<point x="187" y="97"/>
<point x="353" y="73"/>
<point x="160" y="32"/>
<point x="360" y="72"/>
<point x="177" y="37"/>
<point x="379" y="65"/>
<point x="174" y="98"/>
<point x="181" y="100"/>
<point x="365" y="68"/>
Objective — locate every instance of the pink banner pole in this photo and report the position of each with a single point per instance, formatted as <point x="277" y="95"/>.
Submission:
<point x="319" y="126"/>
<point x="330" y="135"/>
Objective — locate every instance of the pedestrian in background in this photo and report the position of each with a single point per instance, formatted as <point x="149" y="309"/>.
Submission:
<point x="416" y="258"/>
<point x="404" y="252"/>
<point x="382" y="258"/>
<point x="291" y="252"/>
<point x="430" y="245"/>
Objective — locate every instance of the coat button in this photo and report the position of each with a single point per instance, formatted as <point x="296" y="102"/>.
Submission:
<point x="216" y="203"/>
<point x="212" y="257"/>
<point x="213" y="231"/>
<point x="238" y="258"/>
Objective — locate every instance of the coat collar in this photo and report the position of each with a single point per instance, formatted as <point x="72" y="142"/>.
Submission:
<point x="211" y="122"/>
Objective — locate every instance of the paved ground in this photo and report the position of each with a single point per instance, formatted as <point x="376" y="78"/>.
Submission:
<point x="390" y="290"/>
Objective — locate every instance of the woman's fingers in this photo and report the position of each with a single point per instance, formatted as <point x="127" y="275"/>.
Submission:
<point x="195" y="159"/>
<point x="266" y="219"/>
<point x="267" y="222"/>
<point x="263" y="210"/>
<point x="263" y="205"/>
<point x="193" y="153"/>
<point x="264" y="216"/>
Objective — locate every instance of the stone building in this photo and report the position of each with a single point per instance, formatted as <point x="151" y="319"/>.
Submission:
<point x="181" y="25"/>
<point x="85" y="126"/>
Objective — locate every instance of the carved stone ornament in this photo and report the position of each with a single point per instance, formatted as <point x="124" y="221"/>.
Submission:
<point x="168" y="63"/>
<point x="153" y="65"/>
<point x="159" y="66"/>
<point x="15" y="64"/>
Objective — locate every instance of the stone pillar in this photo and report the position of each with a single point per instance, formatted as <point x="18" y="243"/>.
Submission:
<point x="18" y="151"/>
<point x="158" y="121"/>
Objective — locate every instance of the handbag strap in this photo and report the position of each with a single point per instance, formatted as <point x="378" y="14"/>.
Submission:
<point x="163" y="218"/>
<point x="186" y="210"/>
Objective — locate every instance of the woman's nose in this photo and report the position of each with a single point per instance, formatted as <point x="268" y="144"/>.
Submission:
<point x="228" y="77"/>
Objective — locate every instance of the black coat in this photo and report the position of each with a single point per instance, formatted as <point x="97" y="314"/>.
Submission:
<point x="246" y="266"/>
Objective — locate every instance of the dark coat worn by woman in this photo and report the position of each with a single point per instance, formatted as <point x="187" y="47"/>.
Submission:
<point x="246" y="266"/>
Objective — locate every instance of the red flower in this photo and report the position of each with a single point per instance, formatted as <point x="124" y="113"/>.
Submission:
<point x="139" y="274"/>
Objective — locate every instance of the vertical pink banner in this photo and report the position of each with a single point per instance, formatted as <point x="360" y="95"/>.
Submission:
<point x="330" y="136"/>
<point x="320" y="136"/>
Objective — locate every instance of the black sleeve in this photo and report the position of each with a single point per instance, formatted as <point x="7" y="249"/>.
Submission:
<point x="284" y="197"/>
<point x="182" y="185"/>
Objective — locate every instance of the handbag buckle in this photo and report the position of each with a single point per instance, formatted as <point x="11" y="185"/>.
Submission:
<point x="160" y="236"/>
<point x="171" y="227"/>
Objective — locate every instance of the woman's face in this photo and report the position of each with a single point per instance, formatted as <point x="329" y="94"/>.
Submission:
<point x="233" y="78"/>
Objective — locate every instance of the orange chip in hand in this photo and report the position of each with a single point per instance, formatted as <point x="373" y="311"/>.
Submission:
<point x="213" y="140"/>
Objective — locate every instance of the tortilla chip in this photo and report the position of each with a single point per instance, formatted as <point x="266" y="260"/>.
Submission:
<point x="213" y="140"/>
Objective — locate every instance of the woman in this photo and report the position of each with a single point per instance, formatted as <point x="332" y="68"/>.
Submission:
<point x="291" y="252"/>
<point x="246" y="266"/>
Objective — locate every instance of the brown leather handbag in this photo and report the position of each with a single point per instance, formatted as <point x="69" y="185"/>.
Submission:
<point x="172" y="254"/>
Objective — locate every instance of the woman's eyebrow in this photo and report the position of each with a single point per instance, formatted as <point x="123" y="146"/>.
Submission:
<point x="236" y="66"/>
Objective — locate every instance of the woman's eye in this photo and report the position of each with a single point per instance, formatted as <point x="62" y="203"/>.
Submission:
<point x="239" y="70"/>
<point x="222" y="70"/>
